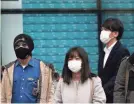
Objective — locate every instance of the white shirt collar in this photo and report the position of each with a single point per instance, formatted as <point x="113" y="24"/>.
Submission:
<point x="107" y="50"/>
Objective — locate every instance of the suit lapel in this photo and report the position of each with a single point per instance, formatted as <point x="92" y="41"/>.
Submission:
<point x="112" y="53"/>
<point x="100" y="67"/>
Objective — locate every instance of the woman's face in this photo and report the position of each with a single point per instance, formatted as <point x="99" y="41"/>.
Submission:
<point x="74" y="63"/>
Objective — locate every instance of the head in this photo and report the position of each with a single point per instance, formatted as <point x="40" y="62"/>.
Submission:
<point x="23" y="46"/>
<point x="51" y="66"/>
<point x="76" y="60"/>
<point x="112" y="28"/>
<point x="56" y="76"/>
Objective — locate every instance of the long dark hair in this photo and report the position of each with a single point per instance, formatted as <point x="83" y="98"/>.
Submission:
<point x="85" y="71"/>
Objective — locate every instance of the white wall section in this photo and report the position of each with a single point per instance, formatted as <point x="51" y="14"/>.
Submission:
<point x="11" y="26"/>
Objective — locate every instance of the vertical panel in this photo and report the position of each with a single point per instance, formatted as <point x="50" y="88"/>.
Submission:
<point x="12" y="25"/>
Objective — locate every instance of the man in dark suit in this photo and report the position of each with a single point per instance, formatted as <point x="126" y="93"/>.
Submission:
<point x="112" y="31"/>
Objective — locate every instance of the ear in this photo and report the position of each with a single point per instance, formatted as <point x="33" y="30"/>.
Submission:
<point x="115" y="34"/>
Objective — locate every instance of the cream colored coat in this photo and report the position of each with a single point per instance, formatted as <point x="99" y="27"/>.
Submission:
<point x="75" y="92"/>
<point x="47" y="89"/>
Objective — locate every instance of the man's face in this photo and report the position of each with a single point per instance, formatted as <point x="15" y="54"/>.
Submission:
<point x="21" y="49"/>
<point x="107" y="35"/>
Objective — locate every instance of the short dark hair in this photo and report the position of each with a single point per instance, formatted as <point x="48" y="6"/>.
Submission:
<point x="56" y="75"/>
<point x="85" y="71"/>
<point x="114" y="24"/>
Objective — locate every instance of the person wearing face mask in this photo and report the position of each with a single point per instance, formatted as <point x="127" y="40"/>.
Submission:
<point x="124" y="83"/>
<point x="112" y="31"/>
<point x="27" y="80"/>
<point x="78" y="84"/>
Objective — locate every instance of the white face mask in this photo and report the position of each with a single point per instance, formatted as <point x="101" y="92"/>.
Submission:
<point x="74" y="65"/>
<point x="104" y="36"/>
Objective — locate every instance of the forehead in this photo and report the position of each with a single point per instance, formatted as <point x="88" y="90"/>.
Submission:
<point x="103" y="28"/>
<point x="74" y="54"/>
<point x="20" y="40"/>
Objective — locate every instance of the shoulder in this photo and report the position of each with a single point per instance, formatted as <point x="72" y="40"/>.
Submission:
<point x="125" y="50"/>
<point x="9" y="65"/>
<point x="91" y="75"/>
<point x="61" y="80"/>
<point x="125" y="59"/>
<point x="44" y="68"/>
<point x="122" y="52"/>
<point x="122" y="49"/>
<point x="96" y="79"/>
<point x="124" y="63"/>
<point x="36" y="60"/>
<point x="8" y="69"/>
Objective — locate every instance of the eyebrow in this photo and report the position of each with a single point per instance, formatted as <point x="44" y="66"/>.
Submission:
<point x="19" y="40"/>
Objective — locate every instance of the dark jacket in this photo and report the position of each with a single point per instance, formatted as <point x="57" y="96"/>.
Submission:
<point x="109" y="72"/>
<point x="119" y="88"/>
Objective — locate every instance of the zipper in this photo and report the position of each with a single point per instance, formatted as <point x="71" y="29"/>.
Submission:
<point x="77" y="88"/>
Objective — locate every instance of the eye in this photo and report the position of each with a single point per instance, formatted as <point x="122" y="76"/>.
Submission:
<point x="70" y="58"/>
<point x="17" y="46"/>
<point x="24" y="44"/>
<point x="78" y="58"/>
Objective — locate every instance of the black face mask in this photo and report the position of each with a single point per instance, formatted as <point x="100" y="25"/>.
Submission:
<point x="131" y="59"/>
<point x="22" y="53"/>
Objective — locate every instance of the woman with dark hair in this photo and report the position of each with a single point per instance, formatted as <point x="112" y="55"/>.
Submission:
<point x="78" y="84"/>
